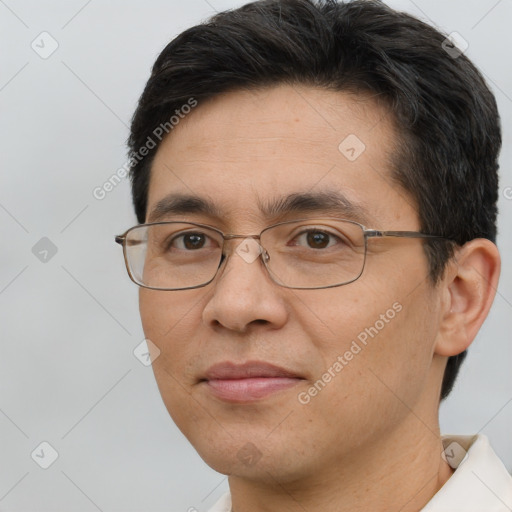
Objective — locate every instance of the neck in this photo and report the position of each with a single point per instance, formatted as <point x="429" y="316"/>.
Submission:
<point x="401" y="472"/>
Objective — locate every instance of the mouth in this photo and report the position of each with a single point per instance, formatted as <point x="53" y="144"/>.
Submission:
<point x="248" y="382"/>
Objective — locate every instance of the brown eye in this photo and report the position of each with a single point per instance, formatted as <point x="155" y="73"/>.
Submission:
<point x="317" y="239"/>
<point x="193" y="241"/>
<point x="190" y="241"/>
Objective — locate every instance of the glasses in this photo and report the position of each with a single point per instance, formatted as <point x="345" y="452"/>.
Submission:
<point x="299" y="254"/>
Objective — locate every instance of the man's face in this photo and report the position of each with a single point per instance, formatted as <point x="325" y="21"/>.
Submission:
<point x="246" y="149"/>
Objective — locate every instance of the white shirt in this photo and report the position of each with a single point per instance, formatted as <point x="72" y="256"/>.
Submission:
<point x="480" y="482"/>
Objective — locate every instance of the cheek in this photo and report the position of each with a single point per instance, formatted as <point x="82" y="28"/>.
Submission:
<point x="166" y="315"/>
<point x="374" y="350"/>
<point x="168" y="319"/>
<point x="157" y="312"/>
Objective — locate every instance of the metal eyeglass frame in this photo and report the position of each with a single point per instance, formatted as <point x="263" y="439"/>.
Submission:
<point x="367" y="233"/>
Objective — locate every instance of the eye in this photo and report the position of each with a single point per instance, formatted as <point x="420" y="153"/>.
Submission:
<point x="190" y="241"/>
<point x="316" y="239"/>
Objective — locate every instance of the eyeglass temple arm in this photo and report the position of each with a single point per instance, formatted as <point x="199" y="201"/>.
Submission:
<point x="121" y="239"/>
<point x="404" y="234"/>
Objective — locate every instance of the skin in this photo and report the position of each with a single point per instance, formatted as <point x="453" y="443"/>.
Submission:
<point x="370" y="439"/>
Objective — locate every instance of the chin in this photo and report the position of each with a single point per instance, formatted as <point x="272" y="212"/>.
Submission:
<point x="247" y="455"/>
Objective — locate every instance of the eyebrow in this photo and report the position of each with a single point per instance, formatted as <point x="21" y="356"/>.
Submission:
<point x="329" y="202"/>
<point x="180" y="204"/>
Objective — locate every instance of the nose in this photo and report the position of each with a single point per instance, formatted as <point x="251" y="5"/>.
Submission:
<point x="244" y="295"/>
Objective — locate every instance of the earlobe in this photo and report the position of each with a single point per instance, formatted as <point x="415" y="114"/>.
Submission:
<point x="469" y="289"/>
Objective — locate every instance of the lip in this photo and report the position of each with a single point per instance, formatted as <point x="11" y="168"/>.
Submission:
<point x="248" y="382"/>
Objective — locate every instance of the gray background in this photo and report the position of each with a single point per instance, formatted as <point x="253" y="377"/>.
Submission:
<point x="70" y="324"/>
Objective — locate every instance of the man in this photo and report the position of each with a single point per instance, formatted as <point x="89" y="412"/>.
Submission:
<point x="316" y="187"/>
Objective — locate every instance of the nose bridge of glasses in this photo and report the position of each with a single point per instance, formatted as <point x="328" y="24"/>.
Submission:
<point x="256" y="238"/>
<point x="231" y="236"/>
<point x="249" y="249"/>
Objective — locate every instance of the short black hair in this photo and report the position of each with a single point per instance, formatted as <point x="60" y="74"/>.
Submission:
<point x="445" y="115"/>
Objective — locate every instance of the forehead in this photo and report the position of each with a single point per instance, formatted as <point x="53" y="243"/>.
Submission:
<point x="244" y="150"/>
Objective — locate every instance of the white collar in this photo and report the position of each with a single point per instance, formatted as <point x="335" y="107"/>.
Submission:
<point x="480" y="482"/>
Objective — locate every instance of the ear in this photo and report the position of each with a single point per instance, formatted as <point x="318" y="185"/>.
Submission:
<point x="469" y="287"/>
